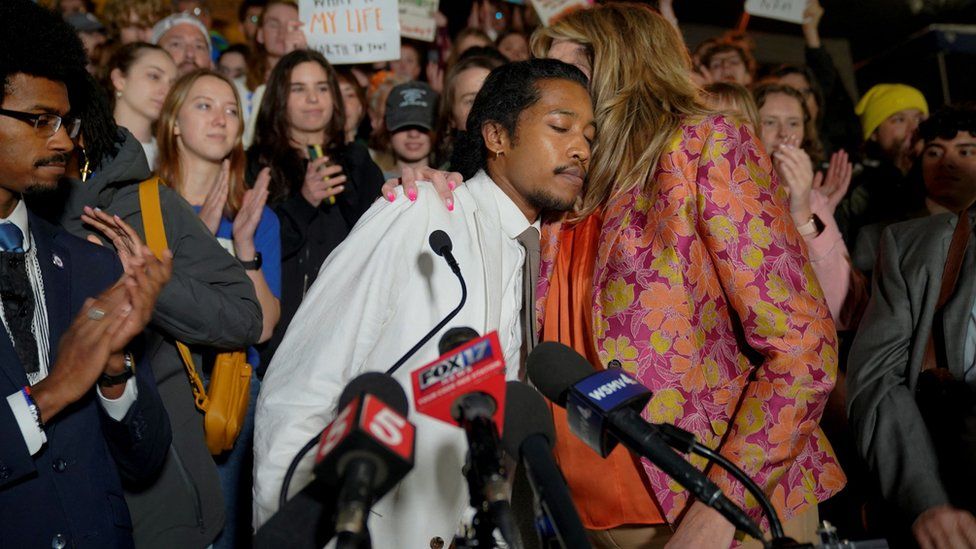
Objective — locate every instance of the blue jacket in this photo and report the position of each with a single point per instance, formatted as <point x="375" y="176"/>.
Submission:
<point x="70" y="493"/>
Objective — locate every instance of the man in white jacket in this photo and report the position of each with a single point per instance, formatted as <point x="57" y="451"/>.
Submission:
<point x="527" y="148"/>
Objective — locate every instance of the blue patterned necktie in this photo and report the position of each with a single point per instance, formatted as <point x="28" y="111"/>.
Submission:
<point x="17" y="296"/>
<point x="11" y="238"/>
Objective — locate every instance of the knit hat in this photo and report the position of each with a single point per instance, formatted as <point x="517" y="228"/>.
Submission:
<point x="884" y="100"/>
<point x="167" y="23"/>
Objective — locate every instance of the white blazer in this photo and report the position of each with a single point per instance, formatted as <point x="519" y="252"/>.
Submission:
<point x="375" y="297"/>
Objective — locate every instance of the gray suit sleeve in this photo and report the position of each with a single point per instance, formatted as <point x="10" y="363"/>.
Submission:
<point x="209" y="299"/>
<point x="888" y="428"/>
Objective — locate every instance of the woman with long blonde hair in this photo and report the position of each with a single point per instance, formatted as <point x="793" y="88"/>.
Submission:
<point x="701" y="285"/>
<point x="201" y="157"/>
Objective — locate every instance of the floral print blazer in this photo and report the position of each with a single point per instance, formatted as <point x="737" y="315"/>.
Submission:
<point x="704" y="291"/>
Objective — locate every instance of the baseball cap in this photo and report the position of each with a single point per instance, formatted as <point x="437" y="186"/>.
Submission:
<point x="410" y="104"/>
<point x="84" y="22"/>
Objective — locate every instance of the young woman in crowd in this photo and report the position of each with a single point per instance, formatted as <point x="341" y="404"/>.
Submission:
<point x="683" y="241"/>
<point x="461" y="85"/>
<point x="318" y="201"/>
<point x="354" y="106"/>
<point x="513" y="45"/>
<point x="201" y="157"/>
<point x="788" y="133"/>
<point x="139" y="77"/>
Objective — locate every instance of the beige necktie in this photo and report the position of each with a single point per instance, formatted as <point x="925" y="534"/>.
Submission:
<point x="529" y="239"/>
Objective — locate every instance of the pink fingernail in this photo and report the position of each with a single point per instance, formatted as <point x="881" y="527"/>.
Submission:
<point x="391" y="197"/>
<point x="412" y="195"/>
<point x="450" y="204"/>
<point x="451" y="185"/>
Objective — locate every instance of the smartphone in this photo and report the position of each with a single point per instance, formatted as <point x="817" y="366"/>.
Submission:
<point x="434" y="56"/>
<point x="315" y="151"/>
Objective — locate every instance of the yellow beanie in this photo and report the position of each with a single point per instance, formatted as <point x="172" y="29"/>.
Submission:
<point x="884" y="100"/>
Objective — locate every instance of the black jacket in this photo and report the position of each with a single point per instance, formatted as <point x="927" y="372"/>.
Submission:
<point x="209" y="302"/>
<point x="70" y="491"/>
<point x="309" y="234"/>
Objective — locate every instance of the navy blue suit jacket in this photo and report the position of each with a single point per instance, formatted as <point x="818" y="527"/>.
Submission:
<point x="70" y="492"/>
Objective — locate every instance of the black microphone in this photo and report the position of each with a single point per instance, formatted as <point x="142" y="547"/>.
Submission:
<point x="529" y="437"/>
<point x="441" y="244"/>
<point x="601" y="410"/>
<point x="366" y="450"/>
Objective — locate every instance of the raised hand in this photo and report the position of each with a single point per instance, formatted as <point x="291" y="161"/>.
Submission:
<point x="796" y="171"/>
<point x="833" y="186"/>
<point x="249" y="215"/>
<point x="213" y="206"/>
<point x="322" y="181"/>
<point x="122" y="236"/>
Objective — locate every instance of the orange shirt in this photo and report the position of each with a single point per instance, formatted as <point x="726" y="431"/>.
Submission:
<point x="607" y="492"/>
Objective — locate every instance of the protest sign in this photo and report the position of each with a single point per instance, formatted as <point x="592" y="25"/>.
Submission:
<point x="550" y="10"/>
<point x="417" y="19"/>
<point x="783" y="10"/>
<point x="352" y="31"/>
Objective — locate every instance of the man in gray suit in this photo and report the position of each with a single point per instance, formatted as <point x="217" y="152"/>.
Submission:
<point x="889" y="350"/>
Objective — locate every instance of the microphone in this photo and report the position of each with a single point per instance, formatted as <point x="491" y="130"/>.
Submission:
<point x="603" y="408"/>
<point x="529" y="437"/>
<point x="466" y="388"/>
<point x="442" y="246"/>
<point x="366" y="450"/>
<point x="362" y="454"/>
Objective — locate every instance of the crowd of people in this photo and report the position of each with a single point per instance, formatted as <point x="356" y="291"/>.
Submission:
<point x="788" y="270"/>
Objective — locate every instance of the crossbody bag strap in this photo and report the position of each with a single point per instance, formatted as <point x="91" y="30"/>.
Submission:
<point x="152" y="224"/>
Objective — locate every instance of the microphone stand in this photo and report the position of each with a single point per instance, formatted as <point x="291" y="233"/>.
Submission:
<point x="685" y="442"/>
<point x="464" y="297"/>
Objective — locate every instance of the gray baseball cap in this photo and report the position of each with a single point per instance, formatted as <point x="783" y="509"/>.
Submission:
<point x="411" y="104"/>
<point x="84" y="22"/>
<point x="165" y="24"/>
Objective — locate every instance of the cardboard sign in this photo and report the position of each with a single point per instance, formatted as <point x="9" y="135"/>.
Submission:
<point x="550" y="10"/>
<point x="417" y="19"/>
<point x="352" y="31"/>
<point x="783" y="10"/>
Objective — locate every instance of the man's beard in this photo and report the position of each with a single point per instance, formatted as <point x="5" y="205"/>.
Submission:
<point x="547" y="202"/>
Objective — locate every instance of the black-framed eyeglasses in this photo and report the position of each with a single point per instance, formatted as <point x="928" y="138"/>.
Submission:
<point x="46" y="124"/>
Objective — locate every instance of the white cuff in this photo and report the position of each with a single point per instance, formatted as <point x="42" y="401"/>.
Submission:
<point x="117" y="408"/>
<point x="33" y="435"/>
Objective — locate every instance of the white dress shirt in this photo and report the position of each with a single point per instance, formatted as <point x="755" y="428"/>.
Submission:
<point x="33" y="435"/>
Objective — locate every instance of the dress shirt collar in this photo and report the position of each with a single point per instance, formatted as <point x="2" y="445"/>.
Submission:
<point x="511" y="218"/>
<point x="19" y="218"/>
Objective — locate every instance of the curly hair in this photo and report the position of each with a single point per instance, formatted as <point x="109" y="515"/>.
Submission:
<point x="508" y="91"/>
<point x="37" y="42"/>
<point x="949" y="121"/>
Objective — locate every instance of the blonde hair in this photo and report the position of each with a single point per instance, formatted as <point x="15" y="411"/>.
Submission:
<point x="169" y="170"/>
<point x="733" y="100"/>
<point x="642" y="92"/>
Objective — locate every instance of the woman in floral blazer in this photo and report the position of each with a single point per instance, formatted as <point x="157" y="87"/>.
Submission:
<point x="702" y="286"/>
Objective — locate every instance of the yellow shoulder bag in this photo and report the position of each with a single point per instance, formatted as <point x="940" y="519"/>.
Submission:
<point x="225" y="405"/>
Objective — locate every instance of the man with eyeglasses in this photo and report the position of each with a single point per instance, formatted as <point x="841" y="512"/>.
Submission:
<point x="78" y="415"/>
